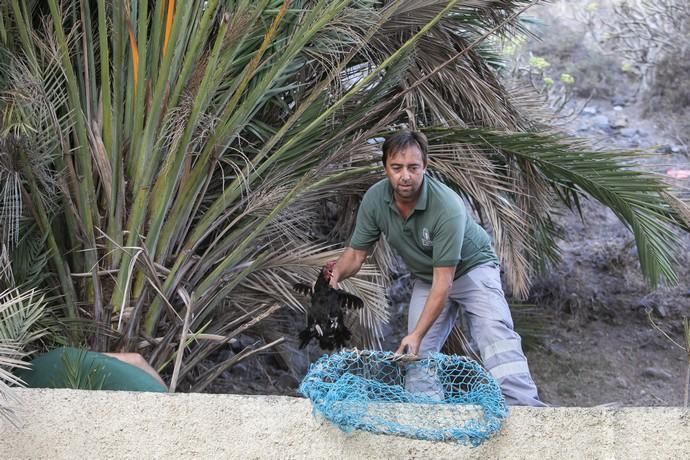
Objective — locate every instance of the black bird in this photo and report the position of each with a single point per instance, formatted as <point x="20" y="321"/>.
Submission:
<point x="326" y="317"/>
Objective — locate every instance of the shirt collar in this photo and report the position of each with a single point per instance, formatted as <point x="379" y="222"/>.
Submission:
<point x="422" y="201"/>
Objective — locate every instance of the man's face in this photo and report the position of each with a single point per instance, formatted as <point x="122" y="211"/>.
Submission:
<point x="405" y="170"/>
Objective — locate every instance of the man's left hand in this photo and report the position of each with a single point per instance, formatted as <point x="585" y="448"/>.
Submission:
<point x="410" y="344"/>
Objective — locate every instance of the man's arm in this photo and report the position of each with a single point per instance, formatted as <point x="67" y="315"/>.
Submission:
<point x="440" y="288"/>
<point x="347" y="265"/>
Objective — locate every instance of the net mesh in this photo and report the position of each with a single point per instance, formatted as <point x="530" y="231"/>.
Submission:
<point x="439" y="398"/>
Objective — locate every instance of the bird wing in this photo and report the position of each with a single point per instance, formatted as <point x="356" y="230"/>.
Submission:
<point x="303" y="289"/>
<point x="349" y="301"/>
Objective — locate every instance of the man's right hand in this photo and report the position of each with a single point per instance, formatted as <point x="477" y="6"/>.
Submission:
<point x="333" y="279"/>
<point x="410" y="344"/>
<point x="347" y="265"/>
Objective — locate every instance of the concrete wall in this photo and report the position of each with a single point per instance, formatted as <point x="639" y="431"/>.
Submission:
<point x="59" y="424"/>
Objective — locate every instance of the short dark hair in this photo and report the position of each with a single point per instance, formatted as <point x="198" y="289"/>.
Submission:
<point x="403" y="139"/>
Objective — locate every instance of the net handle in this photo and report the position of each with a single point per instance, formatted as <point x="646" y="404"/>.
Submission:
<point x="397" y="357"/>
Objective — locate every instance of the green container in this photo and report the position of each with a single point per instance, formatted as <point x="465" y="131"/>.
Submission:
<point x="69" y="367"/>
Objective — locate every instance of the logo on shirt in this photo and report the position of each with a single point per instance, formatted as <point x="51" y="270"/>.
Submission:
<point x="426" y="238"/>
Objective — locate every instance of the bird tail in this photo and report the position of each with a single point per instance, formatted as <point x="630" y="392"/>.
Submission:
<point x="305" y="337"/>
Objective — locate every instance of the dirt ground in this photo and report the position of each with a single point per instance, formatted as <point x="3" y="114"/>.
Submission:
<point x="597" y="343"/>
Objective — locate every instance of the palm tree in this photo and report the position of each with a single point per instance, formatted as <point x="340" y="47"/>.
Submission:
<point x="177" y="156"/>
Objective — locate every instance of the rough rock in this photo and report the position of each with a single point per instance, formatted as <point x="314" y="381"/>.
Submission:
<point x="601" y="122"/>
<point x="628" y="132"/>
<point x="620" y="122"/>
<point x="657" y="373"/>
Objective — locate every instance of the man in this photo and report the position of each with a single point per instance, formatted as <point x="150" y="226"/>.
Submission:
<point x="452" y="260"/>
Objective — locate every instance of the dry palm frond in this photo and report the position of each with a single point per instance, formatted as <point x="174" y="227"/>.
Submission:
<point x="466" y="92"/>
<point x="19" y="315"/>
<point x="6" y="274"/>
<point x="9" y="354"/>
<point x="11" y="207"/>
<point x="36" y="96"/>
<point x="496" y="195"/>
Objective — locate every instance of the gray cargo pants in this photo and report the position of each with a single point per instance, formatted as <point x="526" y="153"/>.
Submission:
<point x="486" y="311"/>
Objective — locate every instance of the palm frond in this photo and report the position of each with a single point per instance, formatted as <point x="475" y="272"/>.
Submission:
<point x="29" y="261"/>
<point x="78" y="376"/>
<point x="19" y="315"/>
<point x="20" y="312"/>
<point x="11" y="207"/>
<point x="637" y="198"/>
<point x="9" y="359"/>
<point x="496" y="196"/>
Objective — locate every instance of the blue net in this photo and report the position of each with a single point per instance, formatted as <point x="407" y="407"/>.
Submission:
<point x="439" y="398"/>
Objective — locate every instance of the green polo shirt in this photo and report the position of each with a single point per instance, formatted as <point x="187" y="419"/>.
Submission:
<point x="440" y="232"/>
<point x="80" y="369"/>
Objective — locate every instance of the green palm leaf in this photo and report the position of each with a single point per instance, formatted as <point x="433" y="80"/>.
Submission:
<point x="639" y="199"/>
